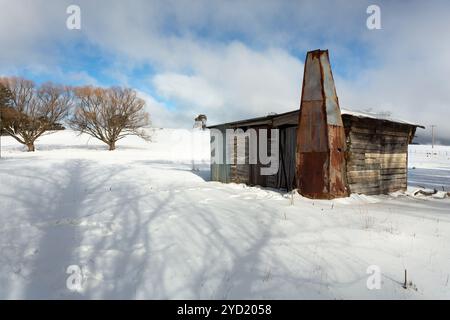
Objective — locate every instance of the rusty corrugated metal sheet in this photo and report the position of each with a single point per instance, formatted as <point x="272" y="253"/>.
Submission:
<point x="337" y="175"/>
<point x="321" y="143"/>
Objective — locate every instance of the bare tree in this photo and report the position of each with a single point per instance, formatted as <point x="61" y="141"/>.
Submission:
<point x="32" y="110"/>
<point x="5" y="103"/>
<point x="109" y="114"/>
<point x="5" y="96"/>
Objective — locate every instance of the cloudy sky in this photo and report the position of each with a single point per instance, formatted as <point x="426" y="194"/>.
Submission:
<point x="237" y="59"/>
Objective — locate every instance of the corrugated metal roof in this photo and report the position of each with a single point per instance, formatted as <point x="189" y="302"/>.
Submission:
<point x="258" y="120"/>
<point x="377" y="116"/>
<point x="359" y="114"/>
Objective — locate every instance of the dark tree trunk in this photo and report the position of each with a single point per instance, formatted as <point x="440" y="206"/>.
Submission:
<point x="30" y="147"/>
<point x="112" y="146"/>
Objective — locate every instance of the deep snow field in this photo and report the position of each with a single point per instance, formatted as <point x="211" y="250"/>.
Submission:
<point x="140" y="223"/>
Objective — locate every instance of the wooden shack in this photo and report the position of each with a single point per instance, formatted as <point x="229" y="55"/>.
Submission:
<point x="376" y="155"/>
<point x="324" y="152"/>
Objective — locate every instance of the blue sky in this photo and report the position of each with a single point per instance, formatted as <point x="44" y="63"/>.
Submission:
<point x="235" y="59"/>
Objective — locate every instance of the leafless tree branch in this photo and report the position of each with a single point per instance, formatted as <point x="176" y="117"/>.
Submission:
<point x="33" y="110"/>
<point x="109" y="114"/>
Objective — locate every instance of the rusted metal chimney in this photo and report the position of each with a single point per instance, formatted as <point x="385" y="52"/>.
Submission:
<point x="320" y="160"/>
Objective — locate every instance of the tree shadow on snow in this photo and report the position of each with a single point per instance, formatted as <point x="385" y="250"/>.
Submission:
<point x="77" y="217"/>
<point x="134" y="243"/>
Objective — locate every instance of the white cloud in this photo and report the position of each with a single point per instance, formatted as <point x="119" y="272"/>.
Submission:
<point x="410" y="78"/>
<point x="197" y="64"/>
<point x="235" y="81"/>
<point x="162" y="117"/>
<point x="185" y="89"/>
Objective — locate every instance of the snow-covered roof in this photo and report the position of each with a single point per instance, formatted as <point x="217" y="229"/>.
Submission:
<point x="378" y="116"/>
<point x="358" y="114"/>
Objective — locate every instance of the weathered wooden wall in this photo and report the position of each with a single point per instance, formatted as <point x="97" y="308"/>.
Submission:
<point x="241" y="171"/>
<point x="220" y="171"/>
<point x="377" y="155"/>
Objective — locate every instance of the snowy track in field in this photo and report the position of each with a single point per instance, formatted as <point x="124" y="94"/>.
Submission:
<point x="141" y="224"/>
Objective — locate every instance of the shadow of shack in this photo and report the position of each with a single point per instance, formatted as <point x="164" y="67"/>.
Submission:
<point x="335" y="152"/>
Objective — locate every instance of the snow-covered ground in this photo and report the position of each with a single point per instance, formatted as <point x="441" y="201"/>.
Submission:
<point x="140" y="223"/>
<point x="429" y="168"/>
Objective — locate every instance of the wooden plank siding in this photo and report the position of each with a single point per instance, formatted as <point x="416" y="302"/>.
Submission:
<point x="377" y="155"/>
<point x="240" y="166"/>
